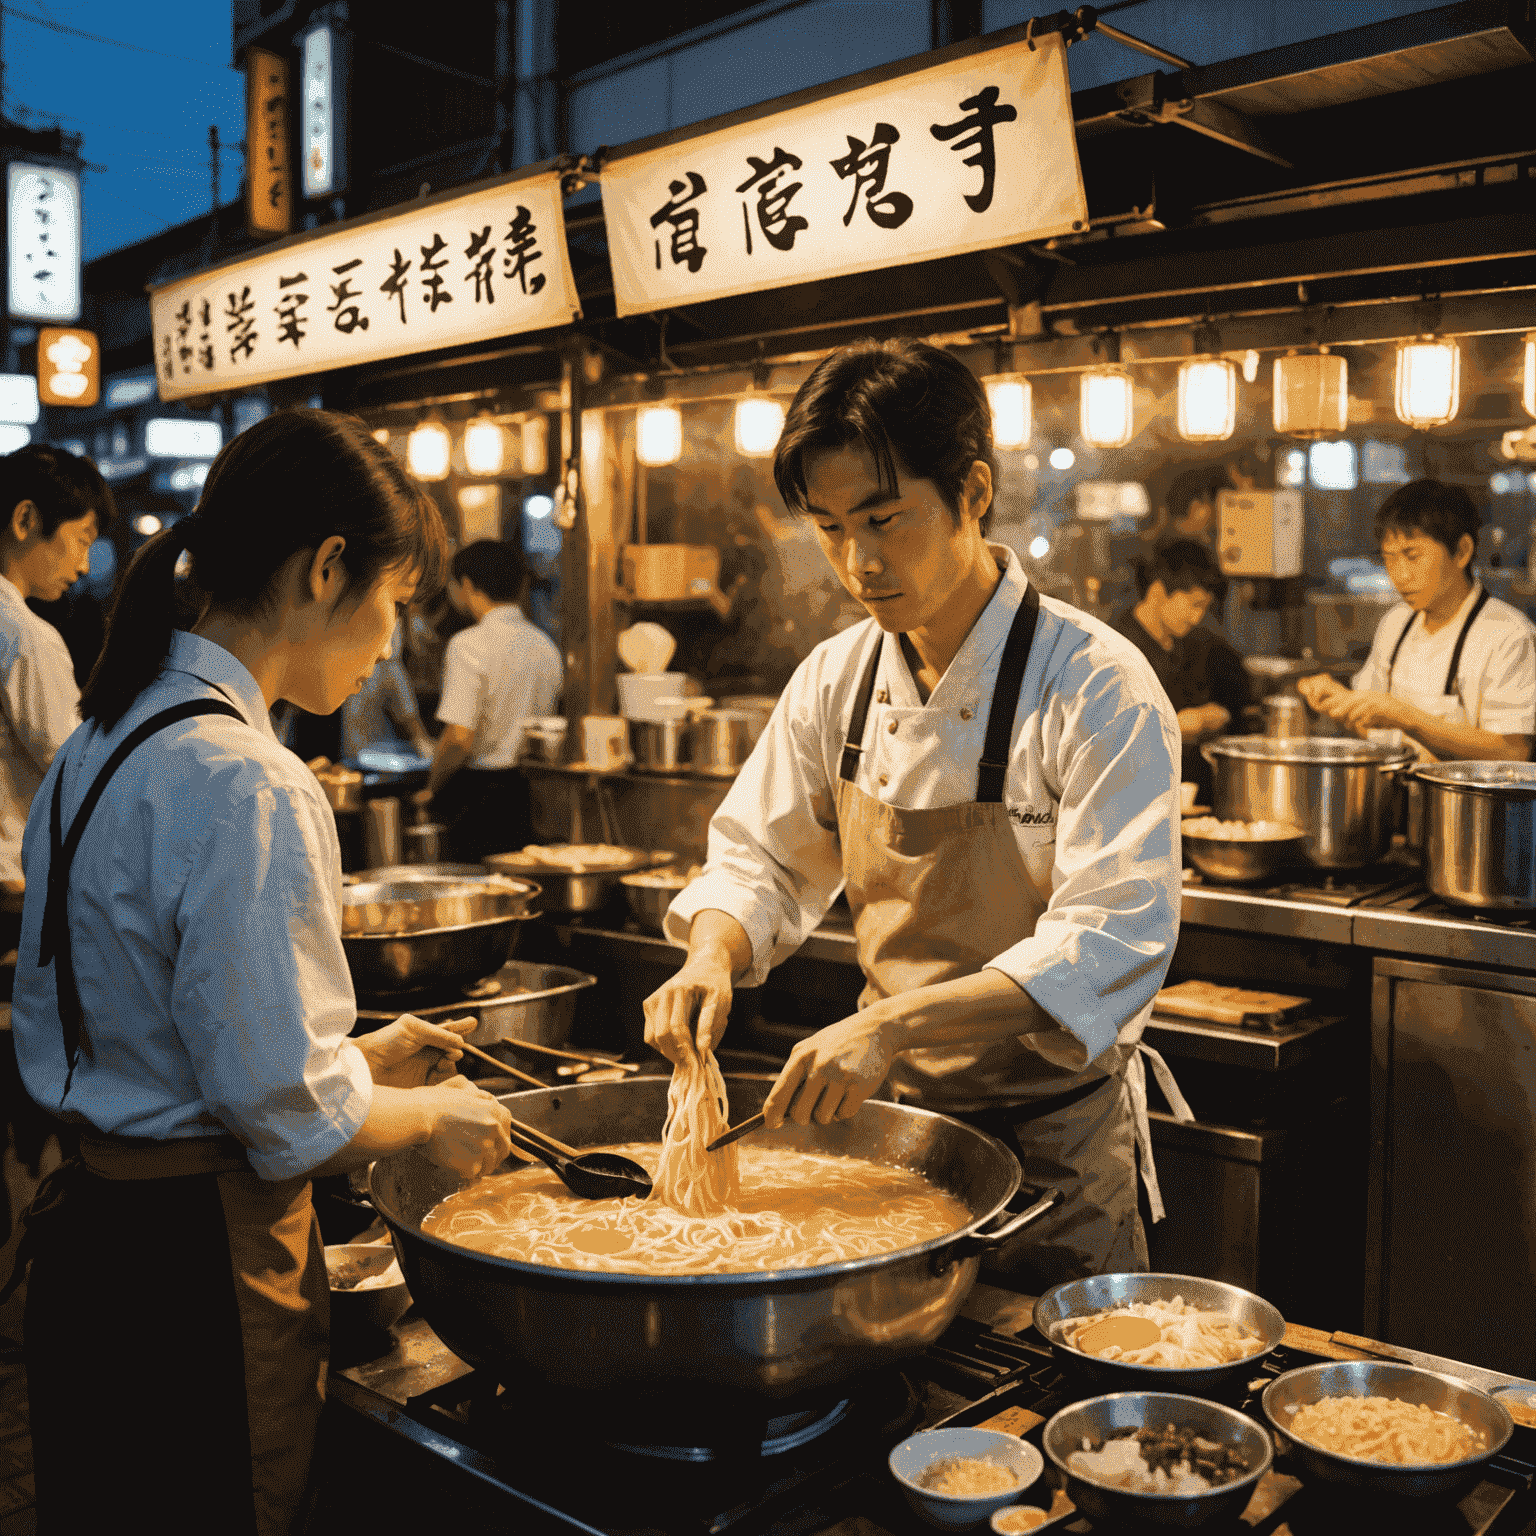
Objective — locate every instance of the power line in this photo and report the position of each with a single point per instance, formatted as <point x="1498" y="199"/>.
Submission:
<point x="116" y="42"/>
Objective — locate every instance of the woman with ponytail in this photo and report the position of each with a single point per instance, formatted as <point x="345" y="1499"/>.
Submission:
<point x="183" y="1004"/>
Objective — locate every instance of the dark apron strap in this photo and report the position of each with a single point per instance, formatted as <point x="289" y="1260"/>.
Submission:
<point x="1005" y="700"/>
<point x="853" y="747"/>
<point x="1461" y="639"/>
<point x="1392" y="659"/>
<point x="54" y="944"/>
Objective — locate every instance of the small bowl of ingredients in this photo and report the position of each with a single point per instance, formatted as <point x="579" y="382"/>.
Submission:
<point x="1236" y="852"/>
<point x="1157" y="1458"/>
<point x="367" y="1288"/>
<point x="956" y="1478"/>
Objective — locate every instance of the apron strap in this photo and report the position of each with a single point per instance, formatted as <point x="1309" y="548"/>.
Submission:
<point x="1461" y="639"/>
<point x="1392" y="659"/>
<point x="1136" y="1082"/>
<point x="1005" y="700"/>
<point x="54" y="941"/>
<point x="853" y="747"/>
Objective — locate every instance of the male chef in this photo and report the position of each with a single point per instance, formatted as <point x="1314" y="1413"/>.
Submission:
<point x="1452" y="667"/>
<point x="992" y="777"/>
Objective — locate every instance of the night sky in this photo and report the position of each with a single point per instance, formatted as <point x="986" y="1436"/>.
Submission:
<point x="144" y="117"/>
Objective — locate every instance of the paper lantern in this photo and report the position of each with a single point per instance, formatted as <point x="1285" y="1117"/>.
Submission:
<point x="535" y="435"/>
<point x="659" y="435"/>
<point x="485" y="447"/>
<point x="427" y="450"/>
<point x="1012" y="410"/>
<point x="1104" y="407"/>
<point x="1311" y="394"/>
<point x="1428" y="382"/>
<point x="1528" y="389"/>
<point x="1207" y="400"/>
<point x="759" y="422"/>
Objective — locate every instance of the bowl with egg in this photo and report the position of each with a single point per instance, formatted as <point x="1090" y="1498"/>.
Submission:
<point x="367" y="1287"/>
<point x="1386" y="1427"/>
<point x="1157" y="1332"/>
<point x="1237" y="852"/>
<point x="956" y="1478"/>
<point x="1157" y="1458"/>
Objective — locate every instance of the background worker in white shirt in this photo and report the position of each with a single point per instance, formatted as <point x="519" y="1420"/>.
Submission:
<point x="183" y="1000"/>
<point x="495" y="675"/>
<point x="54" y="505"/>
<point x="1452" y="667"/>
<point x="993" y="778"/>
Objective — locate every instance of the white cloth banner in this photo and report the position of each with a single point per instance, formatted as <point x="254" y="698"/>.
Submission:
<point x="488" y="262"/>
<point x="971" y="154"/>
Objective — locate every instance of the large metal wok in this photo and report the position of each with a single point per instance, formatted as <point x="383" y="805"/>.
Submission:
<point x="721" y="1340"/>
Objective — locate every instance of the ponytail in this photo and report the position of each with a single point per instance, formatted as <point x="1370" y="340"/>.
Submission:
<point x="283" y="486"/>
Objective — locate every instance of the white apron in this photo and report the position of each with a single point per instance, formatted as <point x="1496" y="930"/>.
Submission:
<point x="936" y="894"/>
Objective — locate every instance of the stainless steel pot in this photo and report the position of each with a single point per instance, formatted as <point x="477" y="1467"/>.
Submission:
<point x="722" y="741"/>
<point x="384" y="965"/>
<point x="565" y="890"/>
<point x="714" y="1340"/>
<point x="1342" y="791"/>
<point x="1479" y="832"/>
<point x="660" y="746"/>
<point x="537" y="1003"/>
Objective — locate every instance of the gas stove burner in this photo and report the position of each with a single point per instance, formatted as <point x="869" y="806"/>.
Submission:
<point x="787" y="1433"/>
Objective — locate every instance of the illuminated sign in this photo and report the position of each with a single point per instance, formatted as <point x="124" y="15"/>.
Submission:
<point x="974" y="153"/>
<point x="43" y="241"/>
<point x="173" y="437"/>
<point x="464" y="267"/>
<point x="130" y="389"/>
<point x="322" y="120"/>
<point x="18" y="398"/>
<point x="13" y="437"/>
<point x="68" y="367"/>
<point x="269" y="177"/>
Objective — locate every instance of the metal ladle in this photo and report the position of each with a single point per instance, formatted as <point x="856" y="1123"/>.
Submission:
<point x="591" y="1175"/>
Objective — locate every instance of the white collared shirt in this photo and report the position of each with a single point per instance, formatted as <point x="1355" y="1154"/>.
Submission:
<point x="41" y="706"/>
<point x="1091" y="789"/>
<point x="205" y="918"/>
<point x="1495" y="679"/>
<point x="496" y="674"/>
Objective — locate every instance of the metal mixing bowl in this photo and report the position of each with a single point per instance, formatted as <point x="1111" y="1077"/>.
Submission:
<point x="385" y="964"/>
<point x="413" y="905"/>
<point x="1101" y="1418"/>
<point x="1387" y="1378"/>
<point x="566" y="890"/>
<point x="1101" y="1293"/>
<point x="543" y="1012"/>
<point x="1236" y="862"/>
<point x="648" y="901"/>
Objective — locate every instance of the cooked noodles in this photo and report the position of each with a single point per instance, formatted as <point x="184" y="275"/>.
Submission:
<point x="1191" y="1337"/>
<point x="1387" y="1430"/>
<point x="689" y="1179"/>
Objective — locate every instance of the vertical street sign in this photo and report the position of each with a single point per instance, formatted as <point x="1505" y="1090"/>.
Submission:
<point x="269" y="182"/>
<point x="323" y="117"/>
<point x="42" y="229"/>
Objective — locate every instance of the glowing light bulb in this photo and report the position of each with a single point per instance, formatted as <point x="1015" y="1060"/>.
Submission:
<point x="1104" y="407"/>
<point x="1207" y="400"/>
<point x="659" y="435"/>
<point x="1062" y="458"/>
<point x="1428" y="382"/>
<point x="1039" y="547"/>
<point x="759" y="422"/>
<point x="1012" y="405"/>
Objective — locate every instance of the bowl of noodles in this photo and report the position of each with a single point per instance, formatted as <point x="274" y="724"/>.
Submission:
<point x="1386" y="1427"/>
<point x="1209" y="1335"/>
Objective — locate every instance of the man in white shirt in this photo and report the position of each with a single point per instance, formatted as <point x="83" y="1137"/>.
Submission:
<point x="992" y="777"/>
<point x="1452" y="667"/>
<point x="495" y="675"/>
<point x="55" y="504"/>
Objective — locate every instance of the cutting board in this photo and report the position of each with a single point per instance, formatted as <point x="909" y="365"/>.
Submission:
<point x="1229" y="1005"/>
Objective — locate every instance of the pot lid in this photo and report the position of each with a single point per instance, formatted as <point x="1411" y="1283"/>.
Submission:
<point x="1343" y="750"/>
<point x="1514" y="779"/>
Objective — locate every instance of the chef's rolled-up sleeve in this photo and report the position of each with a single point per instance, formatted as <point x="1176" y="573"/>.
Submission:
<point x="1101" y="949"/>
<point x="775" y="861"/>
<point x="261" y="994"/>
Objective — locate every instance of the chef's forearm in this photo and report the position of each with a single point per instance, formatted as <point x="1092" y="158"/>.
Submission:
<point x="1452" y="742"/>
<point x="448" y="757"/>
<point x="716" y="935"/>
<point x="975" y="1009"/>
<point x="397" y="1118"/>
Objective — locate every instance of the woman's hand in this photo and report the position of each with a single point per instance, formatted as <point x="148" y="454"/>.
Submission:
<point x="702" y="986"/>
<point x="469" y="1128"/>
<point x="410" y="1053"/>
<point x="833" y="1072"/>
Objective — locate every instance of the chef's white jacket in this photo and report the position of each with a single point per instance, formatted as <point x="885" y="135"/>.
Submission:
<point x="205" y="907"/>
<point x="1495" y="686"/>
<point x="495" y="675"/>
<point x="39" y="706"/>
<point x="1091" y="789"/>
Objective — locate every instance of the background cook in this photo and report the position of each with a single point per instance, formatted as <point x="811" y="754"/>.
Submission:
<point x="1013" y="922"/>
<point x="1452" y="667"/>
<point x="205" y="1063"/>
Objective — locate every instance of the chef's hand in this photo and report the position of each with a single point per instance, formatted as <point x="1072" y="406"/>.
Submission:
<point x="701" y="988"/>
<point x="1322" y="691"/>
<point x="410" y="1053"/>
<point x="832" y="1073"/>
<point x="469" y="1128"/>
<point x="1363" y="711"/>
<point x="1202" y="720"/>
